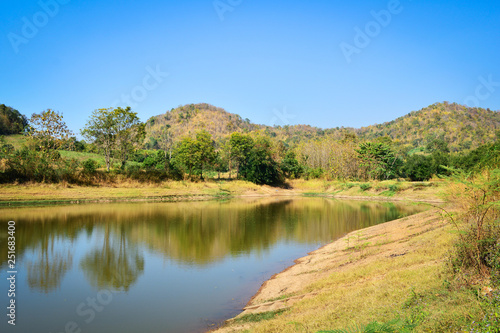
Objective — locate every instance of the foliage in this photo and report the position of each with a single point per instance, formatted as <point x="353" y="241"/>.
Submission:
<point x="477" y="223"/>
<point x="252" y="318"/>
<point x="129" y="133"/>
<point x="49" y="130"/>
<point x="490" y="322"/>
<point x="365" y="186"/>
<point x="379" y="160"/>
<point x="259" y="167"/>
<point x="291" y="167"/>
<point x="195" y="155"/>
<point x="396" y="325"/>
<point x="11" y="121"/>
<point x="40" y="166"/>
<point x="89" y="166"/>
<point x="116" y="132"/>
<point x="460" y="127"/>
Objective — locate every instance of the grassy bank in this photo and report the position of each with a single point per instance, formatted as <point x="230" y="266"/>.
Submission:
<point x="170" y="190"/>
<point x="394" y="274"/>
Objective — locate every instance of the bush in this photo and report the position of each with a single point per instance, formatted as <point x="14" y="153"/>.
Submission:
<point x="313" y="173"/>
<point x="477" y="222"/>
<point x="365" y="187"/>
<point x="393" y="187"/>
<point x="90" y="166"/>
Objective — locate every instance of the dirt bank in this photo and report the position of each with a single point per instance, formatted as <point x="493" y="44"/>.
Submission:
<point x="312" y="277"/>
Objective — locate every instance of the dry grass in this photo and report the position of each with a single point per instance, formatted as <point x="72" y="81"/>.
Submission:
<point x="399" y="274"/>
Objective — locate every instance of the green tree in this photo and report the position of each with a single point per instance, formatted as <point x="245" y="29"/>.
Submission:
<point x="379" y="160"/>
<point x="129" y="133"/>
<point x="116" y="132"/>
<point x="185" y="154"/>
<point x="259" y="166"/>
<point x="195" y="155"/>
<point x="239" y="147"/>
<point x="204" y="150"/>
<point x="11" y="120"/>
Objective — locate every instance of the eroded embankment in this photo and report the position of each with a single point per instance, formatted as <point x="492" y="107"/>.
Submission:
<point x="362" y="275"/>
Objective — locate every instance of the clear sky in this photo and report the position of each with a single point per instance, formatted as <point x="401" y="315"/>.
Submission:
<point x="325" y="63"/>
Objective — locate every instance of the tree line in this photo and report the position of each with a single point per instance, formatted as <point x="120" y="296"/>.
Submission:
<point x="118" y="135"/>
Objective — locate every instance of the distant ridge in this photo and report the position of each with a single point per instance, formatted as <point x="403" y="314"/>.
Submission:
<point x="462" y="127"/>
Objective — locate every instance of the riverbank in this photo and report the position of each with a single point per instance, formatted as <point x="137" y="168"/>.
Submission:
<point x="394" y="272"/>
<point x="36" y="193"/>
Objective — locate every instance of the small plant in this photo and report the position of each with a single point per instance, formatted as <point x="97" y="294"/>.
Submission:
<point x="393" y="326"/>
<point x="394" y="188"/>
<point x="348" y="186"/>
<point x="365" y="187"/>
<point x="256" y="317"/>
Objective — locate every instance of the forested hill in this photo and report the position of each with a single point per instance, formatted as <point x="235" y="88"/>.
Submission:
<point x="188" y="119"/>
<point x="460" y="126"/>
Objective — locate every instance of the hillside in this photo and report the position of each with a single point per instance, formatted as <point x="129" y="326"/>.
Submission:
<point x="188" y="119"/>
<point x="463" y="128"/>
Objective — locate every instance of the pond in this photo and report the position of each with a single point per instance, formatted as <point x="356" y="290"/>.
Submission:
<point x="162" y="267"/>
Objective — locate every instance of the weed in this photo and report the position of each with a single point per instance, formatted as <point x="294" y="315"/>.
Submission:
<point x="256" y="317"/>
<point x="365" y="187"/>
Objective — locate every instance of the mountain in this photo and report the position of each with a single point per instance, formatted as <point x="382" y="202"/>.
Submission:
<point x="188" y="119"/>
<point x="463" y="128"/>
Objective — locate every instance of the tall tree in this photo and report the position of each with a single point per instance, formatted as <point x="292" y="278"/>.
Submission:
<point x="240" y="146"/>
<point x="196" y="154"/>
<point x="205" y="150"/>
<point x="49" y="130"/>
<point x="129" y="133"/>
<point x="379" y="160"/>
<point x="116" y="132"/>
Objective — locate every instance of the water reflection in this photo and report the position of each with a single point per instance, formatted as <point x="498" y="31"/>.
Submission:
<point x="47" y="269"/>
<point x="179" y="261"/>
<point x="116" y="264"/>
<point x="192" y="233"/>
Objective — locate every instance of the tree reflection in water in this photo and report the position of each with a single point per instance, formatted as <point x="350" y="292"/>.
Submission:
<point x="46" y="272"/>
<point x="117" y="264"/>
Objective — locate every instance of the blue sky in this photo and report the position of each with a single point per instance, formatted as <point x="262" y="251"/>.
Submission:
<point x="325" y="63"/>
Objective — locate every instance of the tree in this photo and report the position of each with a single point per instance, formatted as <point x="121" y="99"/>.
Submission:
<point x="259" y="166"/>
<point x="379" y="160"/>
<point x="205" y="150"/>
<point x="196" y="154"/>
<point x="49" y="130"/>
<point x="11" y="120"/>
<point x="185" y="155"/>
<point x="240" y="146"/>
<point x="129" y="133"/>
<point x="116" y="132"/>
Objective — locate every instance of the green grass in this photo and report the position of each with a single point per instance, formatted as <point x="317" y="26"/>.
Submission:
<point x="256" y="317"/>
<point x="17" y="140"/>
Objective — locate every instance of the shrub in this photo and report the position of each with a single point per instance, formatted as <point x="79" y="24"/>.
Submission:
<point x="90" y="166"/>
<point x="393" y="187"/>
<point x="365" y="187"/>
<point x="477" y="222"/>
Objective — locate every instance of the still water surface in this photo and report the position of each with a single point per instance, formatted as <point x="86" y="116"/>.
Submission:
<point x="162" y="267"/>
